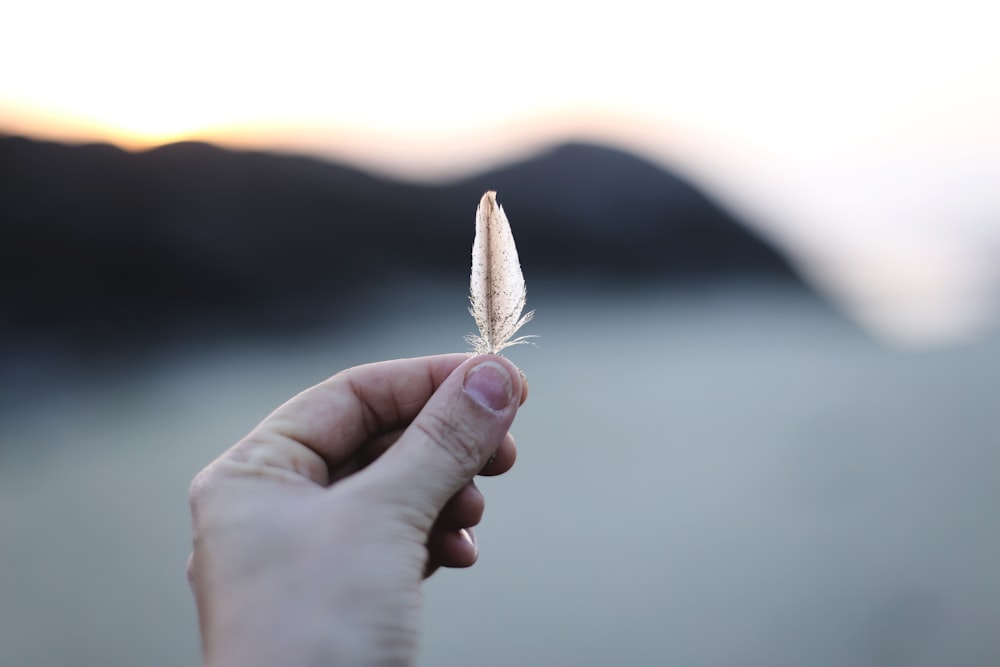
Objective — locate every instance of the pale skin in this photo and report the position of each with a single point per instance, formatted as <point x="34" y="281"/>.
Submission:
<point x="313" y="534"/>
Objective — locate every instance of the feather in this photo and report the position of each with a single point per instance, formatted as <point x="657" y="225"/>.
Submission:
<point x="497" y="287"/>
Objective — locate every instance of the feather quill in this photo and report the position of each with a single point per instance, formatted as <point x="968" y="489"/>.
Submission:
<point x="497" y="287"/>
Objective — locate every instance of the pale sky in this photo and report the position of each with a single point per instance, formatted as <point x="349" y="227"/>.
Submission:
<point x="865" y="136"/>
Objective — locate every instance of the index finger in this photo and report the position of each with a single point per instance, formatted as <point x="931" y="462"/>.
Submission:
<point x="338" y="415"/>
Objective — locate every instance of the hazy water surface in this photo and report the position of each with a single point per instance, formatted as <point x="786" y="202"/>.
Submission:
<point x="734" y="478"/>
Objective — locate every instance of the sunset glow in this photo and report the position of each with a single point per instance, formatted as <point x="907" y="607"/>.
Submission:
<point x="863" y="135"/>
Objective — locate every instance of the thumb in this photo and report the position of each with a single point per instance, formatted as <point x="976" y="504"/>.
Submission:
<point x="451" y="439"/>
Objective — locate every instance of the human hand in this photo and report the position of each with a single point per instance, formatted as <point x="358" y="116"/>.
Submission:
<point x="312" y="534"/>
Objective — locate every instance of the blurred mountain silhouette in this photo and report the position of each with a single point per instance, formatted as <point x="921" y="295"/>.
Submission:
<point x="97" y="242"/>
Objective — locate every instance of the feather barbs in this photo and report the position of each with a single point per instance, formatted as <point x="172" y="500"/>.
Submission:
<point x="497" y="291"/>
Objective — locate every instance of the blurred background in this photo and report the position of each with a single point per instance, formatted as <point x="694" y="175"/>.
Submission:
<point x="762" y="241"/>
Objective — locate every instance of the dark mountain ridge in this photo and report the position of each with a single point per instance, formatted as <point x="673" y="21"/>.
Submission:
<point x="97" y="241"/>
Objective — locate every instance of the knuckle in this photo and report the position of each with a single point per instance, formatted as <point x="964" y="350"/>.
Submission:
<point x="196" y="490"/>
<point x="191" y="576"/>
<point x="199" y="491"/>
<point x="457" y="439"/>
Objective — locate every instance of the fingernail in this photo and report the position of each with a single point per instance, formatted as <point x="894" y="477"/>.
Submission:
<point x="469" y="537"/>
<point x="489" y="385"/>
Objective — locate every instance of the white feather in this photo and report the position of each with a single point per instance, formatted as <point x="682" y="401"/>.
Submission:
<point x="497" y="287"/>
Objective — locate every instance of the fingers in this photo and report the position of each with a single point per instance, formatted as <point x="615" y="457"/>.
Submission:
<point x="451" y="439"/>
<point x="500" y="462"/>
<point x="502" y="459"/>
<point x="451" y="548"/>
<point x="332" y="419"/>
<point x="452" y="541"/>
<point x="336" y="416"/>
<point x="454" y="412"/>
<point x="463" y="510"/>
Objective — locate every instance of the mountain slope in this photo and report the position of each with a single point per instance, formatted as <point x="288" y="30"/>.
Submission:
<point x="96" y="241"/>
